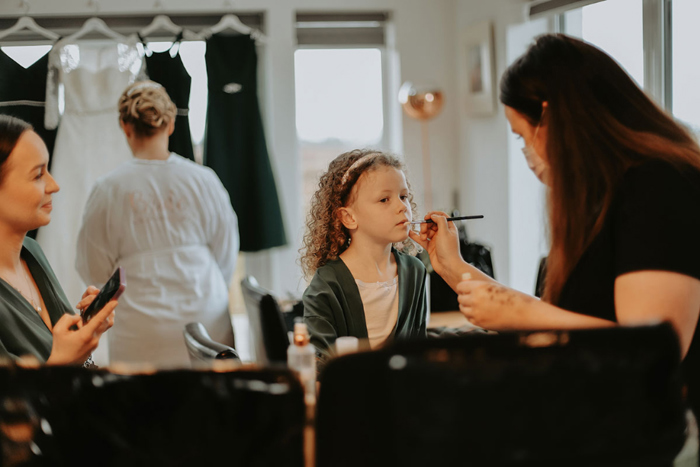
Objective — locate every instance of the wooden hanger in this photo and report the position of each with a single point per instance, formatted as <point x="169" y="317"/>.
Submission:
<point x="25" y="22"/>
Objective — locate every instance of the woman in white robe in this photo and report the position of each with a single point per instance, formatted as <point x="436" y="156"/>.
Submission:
<point x="169" y="223"/>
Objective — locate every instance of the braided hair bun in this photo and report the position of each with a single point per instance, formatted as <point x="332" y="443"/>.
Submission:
<point x="147" y="106"/>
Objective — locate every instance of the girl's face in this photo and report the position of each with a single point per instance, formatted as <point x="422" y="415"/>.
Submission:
<point x="27" y="186"/>
<point x="380" y="209"/>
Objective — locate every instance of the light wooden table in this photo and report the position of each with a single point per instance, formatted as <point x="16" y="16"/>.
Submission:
<point x="449" y="319"/>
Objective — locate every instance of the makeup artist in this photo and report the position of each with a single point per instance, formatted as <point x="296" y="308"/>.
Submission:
<point x="35" y="316"/>
<point x="623" y="195"/>
<point x="169" y="223"/>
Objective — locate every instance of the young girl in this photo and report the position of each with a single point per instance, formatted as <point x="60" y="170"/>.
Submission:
<point x="362" y="286"/>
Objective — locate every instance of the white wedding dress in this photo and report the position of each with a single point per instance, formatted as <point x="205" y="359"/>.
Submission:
<point x="89" y="143"/>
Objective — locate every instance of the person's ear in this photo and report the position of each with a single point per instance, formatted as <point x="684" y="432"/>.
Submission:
<point x="545" y="107"/>
<point x="126" y="128"/>
<point x="171" y="127"/>
<point x="347" y="217"/>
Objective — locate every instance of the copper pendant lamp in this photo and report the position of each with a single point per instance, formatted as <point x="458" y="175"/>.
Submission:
<point x="423" y="103"/>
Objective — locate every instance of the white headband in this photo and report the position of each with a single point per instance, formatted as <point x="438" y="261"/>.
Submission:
<point x="355" y="165"/>
<point x="144" y="85"/>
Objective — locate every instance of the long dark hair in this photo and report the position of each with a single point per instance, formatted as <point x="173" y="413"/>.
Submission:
<point x="599" y="124"/>
<point x="11" y="129"/>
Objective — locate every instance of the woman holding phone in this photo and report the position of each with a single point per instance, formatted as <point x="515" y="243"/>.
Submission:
<point x="169" y="222"/>
<point x="35" y="317"/>
<point x="623" y="191"/>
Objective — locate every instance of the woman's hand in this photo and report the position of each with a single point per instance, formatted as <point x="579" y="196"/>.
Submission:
<point x="74" y="346"/>
<point x="441" y="241"/>
<point x="491" y="305"/>
<point x="88" y="298"/>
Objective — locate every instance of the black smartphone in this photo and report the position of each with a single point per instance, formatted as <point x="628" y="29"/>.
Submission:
<point x="112" y="290"/>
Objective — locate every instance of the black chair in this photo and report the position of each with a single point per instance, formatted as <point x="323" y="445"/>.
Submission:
<point x="266" y="323"/>
<point x="608" y="397"/>
<point x="202" y="349"/>
<point x="72" y="416"/>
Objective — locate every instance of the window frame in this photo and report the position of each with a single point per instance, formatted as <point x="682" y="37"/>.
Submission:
<point x="657" y="34"/>
<point x="385" y="140"/>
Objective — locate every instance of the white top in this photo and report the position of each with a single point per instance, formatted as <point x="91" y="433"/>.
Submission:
<point x="171" y="226"/>
<point x="381" y="303"/>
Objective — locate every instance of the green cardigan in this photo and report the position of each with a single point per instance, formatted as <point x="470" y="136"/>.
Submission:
<point x="333" y="307"/>
<point x="22" y="331"/>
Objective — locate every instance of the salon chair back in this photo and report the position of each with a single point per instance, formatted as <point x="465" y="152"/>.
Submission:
<point x="266" y="323"/>
<point x="202" y="349"/>
<point x="608" y="397"/>
<point x="72" y="416"/>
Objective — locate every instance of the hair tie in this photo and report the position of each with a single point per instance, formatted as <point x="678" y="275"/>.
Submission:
<point x="355" y="165"/>
<point x="144" y="85"/>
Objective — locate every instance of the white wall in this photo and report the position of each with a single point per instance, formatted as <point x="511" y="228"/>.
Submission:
<point x="424" y="44"/>
<point x="493" y="178"/>
<point x="526" y="197"/>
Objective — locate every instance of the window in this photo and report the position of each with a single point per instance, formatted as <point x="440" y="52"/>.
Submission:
<point x="615" y="26"/>
<point x="339" y="106"/>
<point x="339" y="87"/>
<point x="686" y="67"/>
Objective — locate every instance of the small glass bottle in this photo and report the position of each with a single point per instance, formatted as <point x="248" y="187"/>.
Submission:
<point x="301" y="357"/>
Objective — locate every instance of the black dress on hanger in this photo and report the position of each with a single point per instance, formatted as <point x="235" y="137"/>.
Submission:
<point x="169" y="71"/>
<point x="23" y="95"/>
<point x="235" y="141"/>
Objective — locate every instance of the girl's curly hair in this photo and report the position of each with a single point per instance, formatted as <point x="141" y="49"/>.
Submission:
<point x="326" y="237"/>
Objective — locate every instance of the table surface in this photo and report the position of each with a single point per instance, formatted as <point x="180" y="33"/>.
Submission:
<point x="449" y="319"/>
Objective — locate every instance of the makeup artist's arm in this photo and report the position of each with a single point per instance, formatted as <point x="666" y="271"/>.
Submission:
<point x="441" y="241"/>
<point x="496" y="307"/>
<point x="641" y="297"/>
<point x="484" y="301"/>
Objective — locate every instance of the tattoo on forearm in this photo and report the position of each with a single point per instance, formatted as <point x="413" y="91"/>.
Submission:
<point x="504" y="296"/>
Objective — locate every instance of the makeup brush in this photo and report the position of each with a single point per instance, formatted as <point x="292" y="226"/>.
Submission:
<point x="449" y="219"/>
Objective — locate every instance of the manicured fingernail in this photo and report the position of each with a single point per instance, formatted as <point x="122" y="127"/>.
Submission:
<point x="466" y="276"/>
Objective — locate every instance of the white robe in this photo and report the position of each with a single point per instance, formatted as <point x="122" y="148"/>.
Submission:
<point x="171" y="226"/>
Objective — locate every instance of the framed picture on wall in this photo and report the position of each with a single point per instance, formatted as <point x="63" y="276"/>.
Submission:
<point x="478" y="69"/>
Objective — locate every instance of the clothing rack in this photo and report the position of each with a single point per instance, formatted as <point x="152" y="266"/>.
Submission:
<point x="123" y="24"/>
